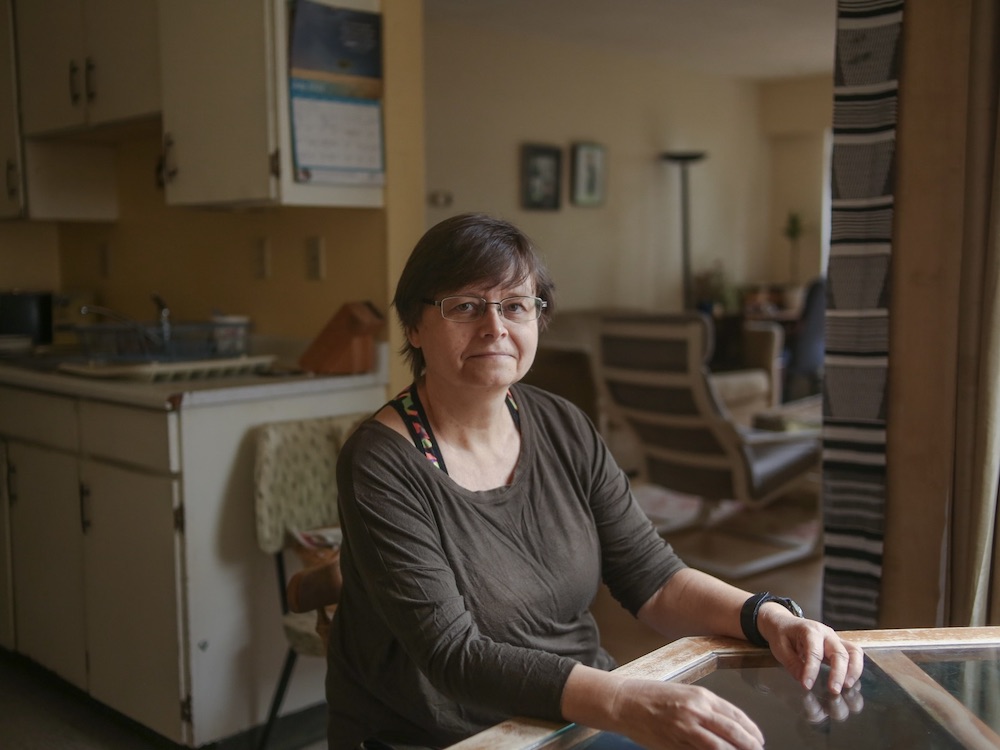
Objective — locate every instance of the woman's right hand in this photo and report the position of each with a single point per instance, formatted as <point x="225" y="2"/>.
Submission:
<point x="663" y="715"/>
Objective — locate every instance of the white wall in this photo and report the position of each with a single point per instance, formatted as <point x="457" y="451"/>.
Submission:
<point x="488" y="92"/>
<point x="796" y="117"/>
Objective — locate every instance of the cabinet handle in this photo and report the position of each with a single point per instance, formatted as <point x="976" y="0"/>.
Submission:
<point x="88" y="80"/>
<point x="74" y="83"/>
<point x="84" y="507"/>
<point x="11" y="172"/>
<point x="11" y="483"/>
<point x="166" y="169"/>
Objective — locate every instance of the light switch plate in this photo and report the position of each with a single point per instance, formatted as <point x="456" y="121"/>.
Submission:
<point x="262" y="258"/>
<point x="315" y="259"/>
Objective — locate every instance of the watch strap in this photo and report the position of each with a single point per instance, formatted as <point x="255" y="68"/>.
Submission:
<point x="751" y="608"/>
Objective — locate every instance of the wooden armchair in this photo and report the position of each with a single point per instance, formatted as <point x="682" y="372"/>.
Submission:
<point x="567" y="364"/>
<point x="655" y="373"/>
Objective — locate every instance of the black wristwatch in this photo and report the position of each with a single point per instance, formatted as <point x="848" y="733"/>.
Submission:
<point x="751" y="608"/>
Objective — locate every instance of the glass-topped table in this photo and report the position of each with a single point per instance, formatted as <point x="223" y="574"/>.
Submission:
<point x="921" y="689"/>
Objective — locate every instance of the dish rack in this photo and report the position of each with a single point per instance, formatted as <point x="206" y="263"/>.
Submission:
<point x="145" y="341"/>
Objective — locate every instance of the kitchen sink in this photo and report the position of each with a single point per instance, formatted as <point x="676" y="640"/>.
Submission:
<point x="167" y="370"/>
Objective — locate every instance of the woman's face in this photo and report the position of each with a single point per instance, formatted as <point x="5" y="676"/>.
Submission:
<point x="489" y="352"/>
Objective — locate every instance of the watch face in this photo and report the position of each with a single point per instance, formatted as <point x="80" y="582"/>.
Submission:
<point x="793" y="607"/>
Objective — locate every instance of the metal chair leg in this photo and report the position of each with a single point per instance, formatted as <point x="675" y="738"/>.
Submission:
<point x="279" y="696"/>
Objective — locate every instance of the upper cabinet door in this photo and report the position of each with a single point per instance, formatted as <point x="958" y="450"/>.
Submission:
<point x="226" y="123"/>
<point x="51" y="59"/>
<point x="123" y="52"/>
<point x="86" y="62"/>
<point x="218" y="101"/>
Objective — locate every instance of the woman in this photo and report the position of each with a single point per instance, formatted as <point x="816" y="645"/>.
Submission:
<point x="480" y="517"/>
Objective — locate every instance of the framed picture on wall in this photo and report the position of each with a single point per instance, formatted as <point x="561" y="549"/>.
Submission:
<point x="541" y="174"/>
<point x="588" y="174"/>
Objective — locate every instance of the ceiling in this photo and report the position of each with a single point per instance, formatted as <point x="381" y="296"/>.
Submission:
<point x="746" y="38"/>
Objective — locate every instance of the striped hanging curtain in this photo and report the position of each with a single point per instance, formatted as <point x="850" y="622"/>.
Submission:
<point x="857" y="318"/>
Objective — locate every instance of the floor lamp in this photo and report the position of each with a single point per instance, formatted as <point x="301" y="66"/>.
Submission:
<point x="684" y="159"/>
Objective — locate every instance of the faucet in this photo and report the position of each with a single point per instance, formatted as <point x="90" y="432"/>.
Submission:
<point x="146" y="336"/>
<point x="164" y="311"/>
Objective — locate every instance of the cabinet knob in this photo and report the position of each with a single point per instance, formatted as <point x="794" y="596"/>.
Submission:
<point x="166" y="167"/>
<point x="74" y="82"/>
<point x="89" y="86"/>
<point x="11" y="176"/>
<point x="84" y="507"/>
<point x="11" y="483"/>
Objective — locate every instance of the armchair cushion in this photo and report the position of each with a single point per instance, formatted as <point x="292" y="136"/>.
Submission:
<point x="743" y="392"/>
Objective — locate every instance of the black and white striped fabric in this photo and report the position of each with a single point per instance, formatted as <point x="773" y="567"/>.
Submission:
<point x="857" y="318"/>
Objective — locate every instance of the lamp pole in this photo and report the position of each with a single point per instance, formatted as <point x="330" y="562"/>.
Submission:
<point x="685" y="159"/>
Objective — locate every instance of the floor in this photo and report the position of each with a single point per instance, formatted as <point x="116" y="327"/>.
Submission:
<point x="39" y="712"/>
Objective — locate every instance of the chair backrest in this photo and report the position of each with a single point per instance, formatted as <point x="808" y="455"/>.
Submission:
<point x="567" y="373"/>
<point x="806" y="346"/>
<point x="295" y="476"/>
<point x="654" y="369"/>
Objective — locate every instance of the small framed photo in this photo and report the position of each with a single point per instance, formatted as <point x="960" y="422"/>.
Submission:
<point x="588" y="174"/>
<point x="541" y="174"/>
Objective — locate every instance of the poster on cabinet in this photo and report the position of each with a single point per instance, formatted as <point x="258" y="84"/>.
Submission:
<point x="335" y="86"/>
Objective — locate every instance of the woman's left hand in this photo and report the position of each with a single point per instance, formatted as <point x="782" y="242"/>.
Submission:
<point x="802" y="645"/>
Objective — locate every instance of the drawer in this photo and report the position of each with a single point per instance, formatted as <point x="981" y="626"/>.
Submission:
<point x="138" y="437"/>
<point x="39" y="418"/>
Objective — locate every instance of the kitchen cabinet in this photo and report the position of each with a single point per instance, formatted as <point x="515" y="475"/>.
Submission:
<point x="10" y="136"/>
<point x="48" y="179"/>
<point x="137" y="574"/>
<point x="226" y="124"/>
<point x="47" y="545"/>
<point x="95" y="545"/>
<point x="131" y="557"/>
<point x="6" y="569"/>
<point x="86" y="62"/>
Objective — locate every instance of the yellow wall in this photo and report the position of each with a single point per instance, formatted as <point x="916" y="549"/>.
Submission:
<point x="796" y="117"/>
<point x="405" y="152"/>
<point x="29" y="255"/>
<point x="201" y="259"/>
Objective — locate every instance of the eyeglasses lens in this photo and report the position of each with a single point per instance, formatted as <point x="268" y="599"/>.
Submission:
<point x="466" y="309"/>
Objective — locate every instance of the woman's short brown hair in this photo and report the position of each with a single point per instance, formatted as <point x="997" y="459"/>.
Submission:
<point x="466" y="250"/>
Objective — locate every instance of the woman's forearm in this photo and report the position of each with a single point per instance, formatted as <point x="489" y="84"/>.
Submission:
<point x="656" y="714"/>
<point x="694" y="603"/>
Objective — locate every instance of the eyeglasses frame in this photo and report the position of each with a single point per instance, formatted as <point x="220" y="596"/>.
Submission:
<point x="542" y="304"/>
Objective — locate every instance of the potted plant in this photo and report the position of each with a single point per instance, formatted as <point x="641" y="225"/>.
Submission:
<point x="792" y="293"/>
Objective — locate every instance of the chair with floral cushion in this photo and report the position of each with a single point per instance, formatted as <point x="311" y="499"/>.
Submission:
<point x="296" y="509"/>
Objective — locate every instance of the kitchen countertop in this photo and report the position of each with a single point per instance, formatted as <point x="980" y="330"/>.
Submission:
<point x="170" y="395"/>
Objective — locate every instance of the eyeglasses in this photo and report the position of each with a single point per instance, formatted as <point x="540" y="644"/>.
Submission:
<point x="468" y="309"/>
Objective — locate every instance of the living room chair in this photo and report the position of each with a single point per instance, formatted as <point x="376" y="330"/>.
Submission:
<point x="654" y="371"/>
<point x="566" y="363"/>
<point x="296" y="510"/>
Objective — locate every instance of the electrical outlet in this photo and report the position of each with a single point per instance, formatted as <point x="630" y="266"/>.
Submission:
<point x="262" y="258"/>
<point x="104" y="261"/>
<point x="315" y="259"/>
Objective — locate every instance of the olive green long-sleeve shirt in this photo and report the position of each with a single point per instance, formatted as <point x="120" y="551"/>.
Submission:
<point x="460" y="609"/>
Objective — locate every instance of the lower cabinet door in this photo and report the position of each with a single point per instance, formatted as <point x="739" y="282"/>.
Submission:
<point x="132" y="555"/>
<point x="47" y="553"/>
